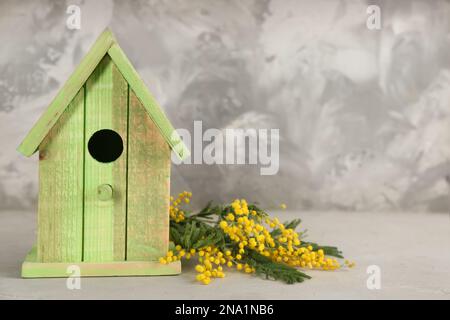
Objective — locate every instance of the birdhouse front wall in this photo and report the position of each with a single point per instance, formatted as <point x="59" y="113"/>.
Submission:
<point x="104" y="177"/>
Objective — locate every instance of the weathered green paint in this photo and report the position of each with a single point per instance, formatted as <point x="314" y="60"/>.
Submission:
<point x="148" y="186"/>
<point x="105" y="44"/>
<point x="32" y="268"/>
<point x="104" y="220"/>
<point x="110" y="218"/>
<point x="60" y="208"/>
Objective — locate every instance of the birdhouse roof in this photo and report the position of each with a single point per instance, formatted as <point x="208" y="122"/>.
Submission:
<point x="105" y="44"/>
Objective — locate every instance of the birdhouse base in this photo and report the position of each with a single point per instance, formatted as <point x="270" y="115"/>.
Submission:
<point x="33" y="269"/>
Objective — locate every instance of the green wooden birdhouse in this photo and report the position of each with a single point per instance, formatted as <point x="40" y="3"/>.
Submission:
<point x="104" y="173"/>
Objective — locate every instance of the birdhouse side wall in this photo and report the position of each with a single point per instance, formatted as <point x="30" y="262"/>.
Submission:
<point x="148" y="186"/>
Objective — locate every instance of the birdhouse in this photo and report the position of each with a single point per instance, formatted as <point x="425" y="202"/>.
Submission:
<point x="104" y="173"/>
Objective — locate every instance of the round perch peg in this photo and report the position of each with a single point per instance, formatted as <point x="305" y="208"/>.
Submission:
<point x="104" y="192"/>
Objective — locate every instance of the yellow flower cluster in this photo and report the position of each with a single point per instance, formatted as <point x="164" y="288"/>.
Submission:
<point x="175" y="212"/>
<point x="248" y="230"/>
<point x="211" y="262"/>
<point x="251" y="234"/>
<point x="178" y="254"/>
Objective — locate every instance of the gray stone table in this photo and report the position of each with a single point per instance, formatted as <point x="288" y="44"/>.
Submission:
<point x="412" y="251"/>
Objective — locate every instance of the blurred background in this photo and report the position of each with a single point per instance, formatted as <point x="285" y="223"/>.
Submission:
<point x="364" y="115"/>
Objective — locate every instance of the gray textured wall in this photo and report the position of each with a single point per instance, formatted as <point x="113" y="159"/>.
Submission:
<point x="364" y="115"/>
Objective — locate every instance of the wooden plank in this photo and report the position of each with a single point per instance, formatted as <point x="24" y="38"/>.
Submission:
<point x="148" y="186"/>
<point x="150" y="104"/>
<point x="60" y="210"/>
<point x="33" y="269"/>
<point x="31" y="142"/>
<point x="105" y="221"/>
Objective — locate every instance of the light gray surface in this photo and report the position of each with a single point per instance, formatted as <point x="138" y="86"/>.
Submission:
<point x="412" y="250"/>
<point x="363" y="114"/>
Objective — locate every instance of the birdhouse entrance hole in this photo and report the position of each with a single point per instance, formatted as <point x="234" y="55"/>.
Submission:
<point x="105" y="145"/>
